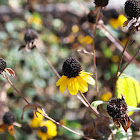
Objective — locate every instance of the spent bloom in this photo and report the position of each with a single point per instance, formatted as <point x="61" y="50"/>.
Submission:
<point x="74" y="77"/>
<point x="117" y="109"/>
<point x="8" y="120"/>
<point x="132" y="10"/>
<point x="47" y="130"/>
<point x="3" y="68"/>
<point x="30" y="39"/>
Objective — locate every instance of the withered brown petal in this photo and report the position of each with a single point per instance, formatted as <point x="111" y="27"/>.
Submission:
<point x="2" y="127"/>
<point x="124" y="124"/>
<point x="116" y="122"/>
<point x="21" y="47"/>
<point x="11" y="129"/>
<point x="10" y="72"/>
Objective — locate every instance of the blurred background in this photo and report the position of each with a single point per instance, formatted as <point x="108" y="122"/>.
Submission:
<point x="64" y="31"/>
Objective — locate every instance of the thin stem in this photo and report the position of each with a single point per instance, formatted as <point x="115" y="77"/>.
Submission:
<point x="95" y="69"/>
<point x="45" y="58"/>
<point x="47" y="117"/>
<point x="16" y="89"/>
<point x="121" y="58"/>
<point x="89" y="105"/>
<point x="97" y="18"/>
<point x="138" y="51"/>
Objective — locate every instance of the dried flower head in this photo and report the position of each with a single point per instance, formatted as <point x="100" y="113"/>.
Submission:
<point x="132" y="10"/>
<point x="30" y="39"/>
<point x="3" y="68"/>
<point x="117" y="109"/>
<point x="101" y="3"/>
<point x="9" y="118"/>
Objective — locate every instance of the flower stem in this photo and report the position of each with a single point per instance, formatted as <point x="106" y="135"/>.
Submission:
<point x="89" y="105"/>
<point x="121" y="58"/>
<point x="45" y="58"/>
<point x="138" y="51"/>
<point x="57" y="123"/>
<point x="15" y="88"/>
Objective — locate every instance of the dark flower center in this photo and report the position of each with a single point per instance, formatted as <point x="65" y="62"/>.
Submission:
<point x="132" y="8"/>
<point x="31" y="114"/>
<point x="102" y="3"/>
<point x="116" y="107"/>
<point x="3" y="65"/>
<point x="43" y="129"/>
<point x="71" y="67"/>
<point x="9" y="118"/>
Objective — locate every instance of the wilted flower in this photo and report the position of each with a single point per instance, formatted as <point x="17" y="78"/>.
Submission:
<point x="132" y="10"/>
<point x="74" y="77"/>
<point x="3" y="68"/>
<point x="47" y="130"/>
<point x="8" y="120"/>
<point x="30" y="39"/>
<point x="117" y="109"/>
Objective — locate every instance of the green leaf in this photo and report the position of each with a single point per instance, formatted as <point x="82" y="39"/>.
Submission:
<point x="122" y="135"/>
<point x="130" y="108"/>
<point x="130" y="88"/>
<point x="96" y="103"/>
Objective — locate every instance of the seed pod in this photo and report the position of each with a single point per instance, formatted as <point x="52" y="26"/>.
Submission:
<point x="101" y="3"/>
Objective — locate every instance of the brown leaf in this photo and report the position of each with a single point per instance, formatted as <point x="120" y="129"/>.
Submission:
<point x="10" y="72"/>
<point x="31" y="105"/>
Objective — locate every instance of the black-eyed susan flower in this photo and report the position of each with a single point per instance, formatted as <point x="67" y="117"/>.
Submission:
<point x="3" y="68"/>
<point x="74" y="77"/>
<point x="36" y="119"/>
<point x="47" y="130"/>
<point x="8" y="120"/>
<point x="30" y="39"/>
<point x="117" y="109"/>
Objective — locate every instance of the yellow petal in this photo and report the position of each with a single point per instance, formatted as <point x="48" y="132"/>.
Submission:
<point x="83" y="86"/>
<point x="88" y="79"/>
<point x="60" y="80"/>
<point x="82" y="73"/>
<point x="64" y="84"/>
<point x="73" y="86"/>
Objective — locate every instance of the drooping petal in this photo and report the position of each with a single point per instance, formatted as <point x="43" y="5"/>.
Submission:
<point x="62" y="79"/>
<point x="86" y="76"/>
<point x="64" y="84"/>
<point x="83" y="86"/>
<point x="73" y="86"/>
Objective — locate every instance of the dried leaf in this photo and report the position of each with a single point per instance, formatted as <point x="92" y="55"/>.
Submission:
<point x="31" y="105"/>
<point x="10" y="72"/>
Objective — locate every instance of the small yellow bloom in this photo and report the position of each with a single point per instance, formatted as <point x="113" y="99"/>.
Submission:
<point x="35" y="122"/>
<point x="116" y="23"/>
<point x="47" y="130"/>
<point x="75" y="28"/>
<point x="106" y="96"/>
<point x="74" y="78"/>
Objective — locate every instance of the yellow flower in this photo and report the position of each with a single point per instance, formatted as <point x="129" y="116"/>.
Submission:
<point x="116" y="23"/>
<point x="74" y="77"/>
<point x="106" y="96"/>
<point x="47" y="130"/>
<point x="36" y="120"/>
